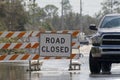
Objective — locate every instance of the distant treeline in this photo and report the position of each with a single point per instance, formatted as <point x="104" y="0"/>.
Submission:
<point x="19" y="16"/>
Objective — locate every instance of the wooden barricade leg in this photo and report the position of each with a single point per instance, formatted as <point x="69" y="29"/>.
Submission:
<point x="35" y="66"/>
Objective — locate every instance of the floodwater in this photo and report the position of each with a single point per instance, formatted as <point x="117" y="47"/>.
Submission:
<point x="10" y="71"/>
<point x="18" y="71"/>
<point x="54" y="70"/>
<point x="50" y="70"/>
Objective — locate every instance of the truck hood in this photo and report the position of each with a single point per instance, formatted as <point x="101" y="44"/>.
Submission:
<point x="104" y="30"/>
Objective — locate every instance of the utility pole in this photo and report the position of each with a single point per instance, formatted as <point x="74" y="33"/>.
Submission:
<point x="111" y="6"/>
<point x="81" y="26"/>
<point x="33" y="6"/>
<point x="34" y="12"/>
<point x="62" y="18"/>
<point x="9" y="12"/>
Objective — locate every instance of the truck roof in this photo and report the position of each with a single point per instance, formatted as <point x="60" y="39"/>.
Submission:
<point x="113" y="14"/>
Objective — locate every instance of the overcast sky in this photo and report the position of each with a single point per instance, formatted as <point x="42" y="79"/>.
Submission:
<point x="89" y="6"/>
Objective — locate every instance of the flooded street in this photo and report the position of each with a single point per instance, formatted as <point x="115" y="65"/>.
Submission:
<point x="11" y="71"/>
<point x="54" y="70"/>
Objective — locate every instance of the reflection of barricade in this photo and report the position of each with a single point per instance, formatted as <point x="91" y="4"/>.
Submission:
<point x="30" y="41"/>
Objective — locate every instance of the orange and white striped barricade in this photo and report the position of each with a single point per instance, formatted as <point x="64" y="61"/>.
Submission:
<point x="27" y="56"/>
<point x="19" y="34"/>
<point x="34" y="45"/>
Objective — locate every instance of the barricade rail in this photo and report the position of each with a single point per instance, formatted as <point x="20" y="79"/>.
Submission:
<point x="27" y="41"/>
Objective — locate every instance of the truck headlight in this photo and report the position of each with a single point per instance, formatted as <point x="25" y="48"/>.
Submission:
<point x="96" y="40"/>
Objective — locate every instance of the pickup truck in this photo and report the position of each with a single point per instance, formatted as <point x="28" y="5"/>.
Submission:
<point x="105" y="44"/>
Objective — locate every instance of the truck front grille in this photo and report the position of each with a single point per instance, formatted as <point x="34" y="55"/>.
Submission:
<point x="110" y="50"/>
<point x="111" y="40"/>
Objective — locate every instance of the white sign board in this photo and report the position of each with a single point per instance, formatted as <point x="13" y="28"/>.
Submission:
<point x="55" y="44"/>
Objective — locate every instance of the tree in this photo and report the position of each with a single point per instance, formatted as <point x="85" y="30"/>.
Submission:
<point x="66" y="6"/>
<point x="51" y="11"/>
<point x="13" y="15"/>
<point x="66" y="9"/>
<point x="110" y="6"/>
<point x="87" y="20"/>
<point x="72" y="21"/>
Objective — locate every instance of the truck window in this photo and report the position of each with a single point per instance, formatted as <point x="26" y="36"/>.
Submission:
<point x="110" y="22"/>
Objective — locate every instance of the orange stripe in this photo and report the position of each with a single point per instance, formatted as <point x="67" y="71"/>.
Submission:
<point x="38" y="34"/>
<point x="65" y="31"/>
<point x="75" y="33"/>
<point x="2" y="57"/>
<point x="35" y="45"/>
<point x="9" y="34"/>
<point x="21" y="34"/>
<point x="53" y="32"/>
<point x="57" y="57"/>
<point x="73" y="43"/>
<point x="14" y="57"/>
<point x="36" y="57"/>
<point x="1" y="33"/>
<point x="47" y="57"/>
<point x="30" y="34"/>
<point x="72" y="56"/>
<point x="18" y="45"/>
<point x="6" y="46"/>
<point x="78" y="47"/>
<point x="25" y="57"/>
<point x="28" y="45"/>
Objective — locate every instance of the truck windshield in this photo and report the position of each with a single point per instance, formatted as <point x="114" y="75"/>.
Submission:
<point x="110" y="22"/>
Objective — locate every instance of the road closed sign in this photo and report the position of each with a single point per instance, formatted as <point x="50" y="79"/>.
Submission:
<point x="55" y="44"/>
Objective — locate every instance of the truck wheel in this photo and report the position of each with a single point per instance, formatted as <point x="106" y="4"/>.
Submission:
<point x="94" y="65"/>
<point x="106" y="68"/>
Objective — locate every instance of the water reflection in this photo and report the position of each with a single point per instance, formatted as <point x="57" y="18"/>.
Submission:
<point x="13" y="71"/>
<point x="10" y="71"/>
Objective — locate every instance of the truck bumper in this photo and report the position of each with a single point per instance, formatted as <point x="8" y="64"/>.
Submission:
<point x="98" y="51"/>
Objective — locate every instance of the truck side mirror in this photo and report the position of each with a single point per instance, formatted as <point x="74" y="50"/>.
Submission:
<point x="93" y="27"/>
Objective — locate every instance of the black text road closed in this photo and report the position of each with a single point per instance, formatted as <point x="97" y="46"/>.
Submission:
<point x="55" y="45"/>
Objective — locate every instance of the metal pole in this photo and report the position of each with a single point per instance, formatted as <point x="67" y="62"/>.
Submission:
<point x="10" y="14"/>
<point x="112" y="6"/>
<point x="34" y="12"/>
<point x="62" y="18"/>
<point x="81" y="26"/>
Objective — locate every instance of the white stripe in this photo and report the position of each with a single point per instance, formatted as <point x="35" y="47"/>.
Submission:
<point x="35" y="33"/>
<point x="20" y="56"/>
<point x="59" y="31"/>
<point x="48" y="31"/>
<point x="8" y="57"/>
<point x="71" y="32"/>
<point x="4" y="34"/>
<point x="15" y="34"/>
<point x="12" y="45"/>
<point x="23" y="45"/>
<point x="75" y="40"/>
<point x="76" y="45"/>
<point x="41" y="58"/>
<point x="1" y="45"/>
<point x="31" y="56"/>
<point x="27" y="34"/>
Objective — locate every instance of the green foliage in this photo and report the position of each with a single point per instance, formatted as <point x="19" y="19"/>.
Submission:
<point x="66" y="6"/>
<point x="108" y="7"/>
<point x="47" y="26"/>
<point x="10" y="51"/>
<point x="51" y="11"/>
<point x="12" y="15"/>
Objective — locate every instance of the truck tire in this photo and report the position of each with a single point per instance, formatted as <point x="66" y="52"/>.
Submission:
<point x="106" y="68"/>
<point x="94" y="65"/>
